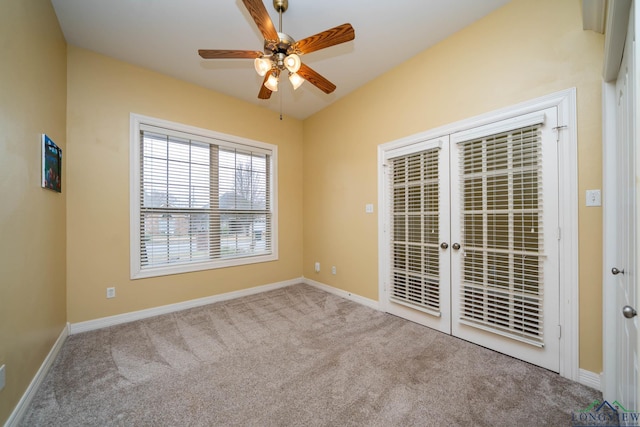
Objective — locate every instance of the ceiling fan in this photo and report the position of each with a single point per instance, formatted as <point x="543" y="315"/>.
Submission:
<point x="282" y="52"/>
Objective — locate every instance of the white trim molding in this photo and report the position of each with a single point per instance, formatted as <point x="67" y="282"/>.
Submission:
<point x="344" y="294"/>
<point x="105" y="322"/>
<point x="590" y="379"/>
<point x="568" y="235"/>
<point x="616" y="33"/>
<point x="593" y="15"/>
<point x="20" y="409"/>
<point x="609" y="303"/>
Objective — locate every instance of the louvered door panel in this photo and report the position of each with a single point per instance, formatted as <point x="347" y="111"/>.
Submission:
<point x="502" y="234"/>
<point x="505" y="217"/>
<point x="415" y="231"/>
<point x="418" y="189"/>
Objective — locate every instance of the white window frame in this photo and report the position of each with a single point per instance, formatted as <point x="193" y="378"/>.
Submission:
<point x="567" y="137"/>
<point x="136" y="122"/>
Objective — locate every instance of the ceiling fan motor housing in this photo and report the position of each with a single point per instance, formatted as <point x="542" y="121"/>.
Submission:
<point x="285" y="45"/>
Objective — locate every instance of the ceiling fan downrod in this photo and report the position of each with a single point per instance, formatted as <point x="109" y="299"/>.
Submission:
<point x="280" y="6"/>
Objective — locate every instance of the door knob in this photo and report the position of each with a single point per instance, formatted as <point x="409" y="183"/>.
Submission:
<point x="615" y="271"/>
<point x="629" y="312"/>
<point x="444" y="245"/>
<point x="456" y="246"/>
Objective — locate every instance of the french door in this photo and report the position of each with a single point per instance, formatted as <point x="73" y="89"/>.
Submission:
<point x="472" y="236"/>
<point x="419" y="230"/>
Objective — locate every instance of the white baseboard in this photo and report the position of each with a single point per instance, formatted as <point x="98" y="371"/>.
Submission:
<point x="104" y="322"/>
<point x="344" y="294"/>
<point x="590" y="379"/>
<point x="27" y="397"/>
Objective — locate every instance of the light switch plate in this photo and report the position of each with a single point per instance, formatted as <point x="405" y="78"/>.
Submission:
<point x="368" y="208"/>
<point x="594" y="198"/>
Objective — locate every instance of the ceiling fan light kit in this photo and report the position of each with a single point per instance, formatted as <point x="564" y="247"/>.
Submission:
<point x="296" y="80"/>
<point x="292" y="62"/>
<point x="272" y="82"/>
<point x="282" y="52"/>
<point x="263" y="65"/>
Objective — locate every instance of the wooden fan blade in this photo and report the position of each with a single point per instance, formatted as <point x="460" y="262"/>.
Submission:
<point x="261" y="17"/>
<point x="316" y="79"/>
<point x="231" y="54"/>
<point x="265" y="92"/>
<point x="336" y="35"/>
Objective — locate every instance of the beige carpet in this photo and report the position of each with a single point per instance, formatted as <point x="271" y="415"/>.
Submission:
<point x="293" y="356"/>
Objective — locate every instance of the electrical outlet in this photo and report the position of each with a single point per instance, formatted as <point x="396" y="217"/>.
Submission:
<point x="368" y="208"/>
<point x="1" y="377"/>
<point x="317" y="267"/>
<point x="111" y="292"/>
<point x="333" y="270"/>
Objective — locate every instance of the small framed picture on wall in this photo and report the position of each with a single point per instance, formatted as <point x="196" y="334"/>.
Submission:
<point x="51" y="165"/>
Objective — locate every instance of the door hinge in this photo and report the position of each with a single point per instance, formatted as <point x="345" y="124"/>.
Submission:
<point x="559" y="233"/>
<point x="559" y="331"/>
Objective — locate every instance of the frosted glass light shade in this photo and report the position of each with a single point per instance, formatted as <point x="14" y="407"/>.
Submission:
<point x="272" y="83"/>
<point x="292" y="62"/>
<point x="296" y="80"/>
<point x="263" y="65"/>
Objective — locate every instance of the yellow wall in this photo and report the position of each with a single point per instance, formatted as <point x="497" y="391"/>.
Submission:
<point x="32" y="219"/>
<point x="524" y="50"/>
<point x="102" y="92"/>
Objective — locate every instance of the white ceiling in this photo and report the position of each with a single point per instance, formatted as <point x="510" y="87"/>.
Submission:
<point x="165" y="35"/>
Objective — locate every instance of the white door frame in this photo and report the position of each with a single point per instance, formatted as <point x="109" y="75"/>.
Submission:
<point x="608" y="251"/>
<point x="568" y="204"/>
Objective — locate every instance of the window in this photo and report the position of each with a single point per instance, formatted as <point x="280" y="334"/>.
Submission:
<point x="199" y="200"/>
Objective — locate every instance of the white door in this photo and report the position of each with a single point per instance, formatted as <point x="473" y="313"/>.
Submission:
<point x="625" y="270"/>
<point x="473" y="241"/>
<point x="418" y="189"/>
<point x="505" y="276"/>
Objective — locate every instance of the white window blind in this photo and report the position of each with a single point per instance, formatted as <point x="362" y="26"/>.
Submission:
<point x="201" y="202"/>
<point x="415" y="230"/>
<point x="501" y="193"/>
